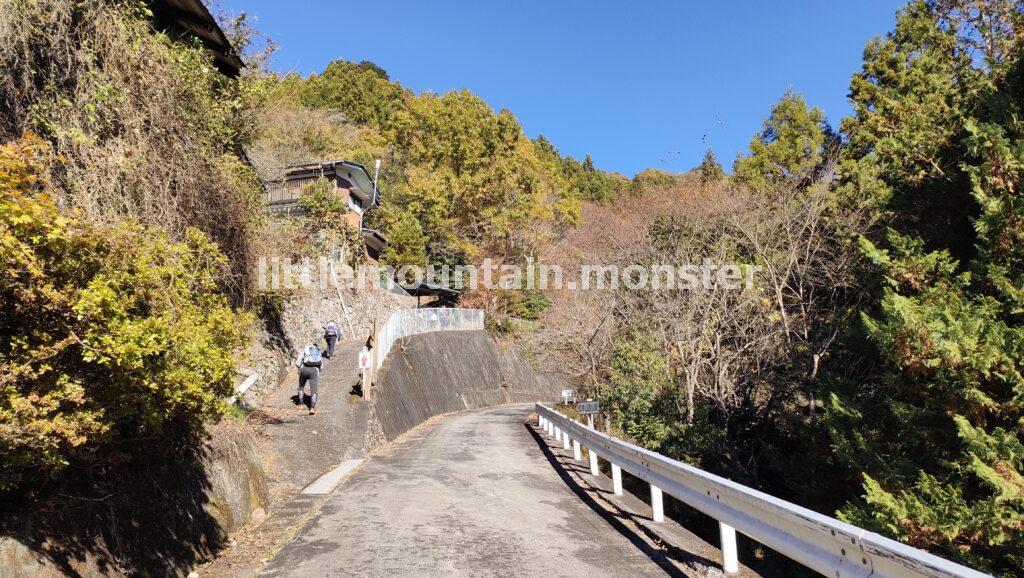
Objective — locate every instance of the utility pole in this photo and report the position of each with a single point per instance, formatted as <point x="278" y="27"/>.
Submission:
<point x="376" y="171"/>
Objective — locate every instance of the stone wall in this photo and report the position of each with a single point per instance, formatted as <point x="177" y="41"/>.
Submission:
<point x="298" y="322"/>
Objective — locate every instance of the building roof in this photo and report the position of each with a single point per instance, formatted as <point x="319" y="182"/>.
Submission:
<point x="190" y="18"/>
<point x="424" y="289"/>
<point x="374" y="239"/>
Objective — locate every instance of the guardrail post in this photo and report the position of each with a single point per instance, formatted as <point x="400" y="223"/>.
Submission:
<point x="549" y="427"/>
<point x="656" y="504"/>
<point x="576" y="455"/>
<point x="730" y="561"/>
<point x="819" y="542"/>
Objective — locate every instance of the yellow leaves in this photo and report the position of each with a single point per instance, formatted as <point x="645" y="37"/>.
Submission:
<point x="19" y="170"/>
<point x="38" y="428"/>
<point x="103" y="329"/>
<point x="567" y="210"/>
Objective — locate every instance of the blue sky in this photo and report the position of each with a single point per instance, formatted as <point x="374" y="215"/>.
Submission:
<point x="636" y="85"/>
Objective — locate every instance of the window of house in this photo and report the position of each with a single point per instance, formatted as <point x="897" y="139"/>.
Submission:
<point x="355" y="204"/>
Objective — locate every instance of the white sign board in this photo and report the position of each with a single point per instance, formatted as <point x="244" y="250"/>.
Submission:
<point x="364" y="359"/>
<point x="588" y="407"/>
<point x="567" y="394"/>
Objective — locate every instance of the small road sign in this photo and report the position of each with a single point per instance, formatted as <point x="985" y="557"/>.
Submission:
<point x="568" y="394"/>
<point x="588" y="407"/>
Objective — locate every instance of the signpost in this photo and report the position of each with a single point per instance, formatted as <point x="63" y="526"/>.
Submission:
<point x="589" y="408"/>
<point x="365" y="371"/>
<point x="568" y="393"/>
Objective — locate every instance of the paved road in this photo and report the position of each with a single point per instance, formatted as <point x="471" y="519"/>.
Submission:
<point x="468" y="495"/>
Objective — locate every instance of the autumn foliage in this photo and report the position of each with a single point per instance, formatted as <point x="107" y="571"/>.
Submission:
<point x="107" y="334"/>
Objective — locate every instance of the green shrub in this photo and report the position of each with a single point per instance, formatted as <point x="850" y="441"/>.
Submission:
<point x="641" y="393"/>
<point x="648" y="180"/>
<point x="322" y="207"/>
<point x="532" y="304"/>
<point x="106" y="334"/>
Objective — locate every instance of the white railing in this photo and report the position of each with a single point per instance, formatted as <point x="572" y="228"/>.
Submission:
<point x="243" y="387"/>
<point x="408" y="322"/>
<point x="824" y="544"/>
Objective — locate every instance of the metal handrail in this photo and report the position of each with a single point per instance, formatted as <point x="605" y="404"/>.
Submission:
<point x="826" y="545"/>
<point x="407" y="322"/>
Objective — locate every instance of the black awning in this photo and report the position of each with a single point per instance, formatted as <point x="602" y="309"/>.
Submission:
<point x="429" y="290"/>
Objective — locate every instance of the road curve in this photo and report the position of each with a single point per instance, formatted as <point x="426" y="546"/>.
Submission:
<point x="468" y="495"/>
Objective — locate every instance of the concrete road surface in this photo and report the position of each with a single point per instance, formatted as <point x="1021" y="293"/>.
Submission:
<point x="469" y="495"/>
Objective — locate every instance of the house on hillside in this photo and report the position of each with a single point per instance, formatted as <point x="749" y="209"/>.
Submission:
<point x="352" y="183"/>
<point x="191" y="20"/>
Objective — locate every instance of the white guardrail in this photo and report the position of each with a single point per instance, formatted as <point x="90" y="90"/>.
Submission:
<point x="408" y="322"/>
<point x="826" y="545"/>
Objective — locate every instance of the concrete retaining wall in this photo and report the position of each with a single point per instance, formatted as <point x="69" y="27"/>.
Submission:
<point x="185" y="520"/>
<point x="434" y="373"/>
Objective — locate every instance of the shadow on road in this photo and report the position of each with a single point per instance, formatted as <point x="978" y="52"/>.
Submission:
<point x="664" y="559"/>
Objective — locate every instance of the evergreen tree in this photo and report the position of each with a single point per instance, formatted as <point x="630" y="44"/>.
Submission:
<point x="903" y="159"/>
<point x="407" y="245"/>
<point x="710" y="169"/>
<point x="790" y="150"/>
<point x="937" y="150"/>
<point x="642" y="393"/>
<point x="361" y="91"/>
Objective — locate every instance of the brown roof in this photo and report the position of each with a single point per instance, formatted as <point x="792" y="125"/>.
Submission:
<point x="191" y="18"/>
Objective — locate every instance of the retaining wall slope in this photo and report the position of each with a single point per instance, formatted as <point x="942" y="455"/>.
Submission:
<point x="434" y="373"/>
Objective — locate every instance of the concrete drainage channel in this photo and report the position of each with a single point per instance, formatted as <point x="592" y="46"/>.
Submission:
<point x="283" y="525"/>
<point x="326" y="483"/>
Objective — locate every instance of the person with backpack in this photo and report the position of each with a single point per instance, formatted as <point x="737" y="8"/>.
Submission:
<point x="309" y="363"/>
<point x="331" y="335"/>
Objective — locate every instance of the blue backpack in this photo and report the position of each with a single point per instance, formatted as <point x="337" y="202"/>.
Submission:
<point x="312" y="357"/>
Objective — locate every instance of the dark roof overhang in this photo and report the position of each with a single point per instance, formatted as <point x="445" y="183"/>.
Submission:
<point x="425" y="289"/>
<point x="191" y="18"/>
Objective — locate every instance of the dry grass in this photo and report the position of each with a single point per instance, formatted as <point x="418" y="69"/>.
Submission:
<point x="140" y="128"/>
